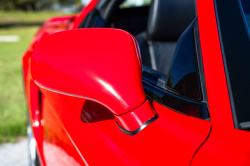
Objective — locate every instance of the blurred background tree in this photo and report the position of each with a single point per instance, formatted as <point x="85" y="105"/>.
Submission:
<point x="33" y="5"/>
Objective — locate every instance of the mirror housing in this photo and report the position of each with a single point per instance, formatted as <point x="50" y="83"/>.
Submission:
<point x="97" y="64"/>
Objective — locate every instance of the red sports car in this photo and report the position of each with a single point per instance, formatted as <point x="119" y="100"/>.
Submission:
<point x="163" y="84"/>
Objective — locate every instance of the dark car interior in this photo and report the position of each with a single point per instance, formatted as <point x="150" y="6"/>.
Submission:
<point x="166" y="22"/>
<point x="157" y="27"/>
<point x="166" y="32"/>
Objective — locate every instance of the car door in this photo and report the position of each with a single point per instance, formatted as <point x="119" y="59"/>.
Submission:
<point x="82" y="132"/>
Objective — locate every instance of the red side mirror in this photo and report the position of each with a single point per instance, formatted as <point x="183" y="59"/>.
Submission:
<point x="102" y="65"/>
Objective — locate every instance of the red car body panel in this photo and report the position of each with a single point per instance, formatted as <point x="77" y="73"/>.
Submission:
<point x="31" y="89"/>
<point x="95" y="74"/>
<point x="102" y="138"/>
<point x="226" y="145"/>
<point x="98" y="73"/>
<point x="103" y="143"/>
<point x="67" y="136"/>
<point x="216" y="83"/>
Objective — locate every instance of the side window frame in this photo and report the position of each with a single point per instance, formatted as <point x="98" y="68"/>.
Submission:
<point x="154" y="84"/>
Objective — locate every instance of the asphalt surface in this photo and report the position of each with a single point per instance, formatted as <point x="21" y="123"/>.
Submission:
<point x="14" y="154"/>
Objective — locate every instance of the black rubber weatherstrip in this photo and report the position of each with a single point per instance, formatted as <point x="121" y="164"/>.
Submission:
<point x="140" y="128"/>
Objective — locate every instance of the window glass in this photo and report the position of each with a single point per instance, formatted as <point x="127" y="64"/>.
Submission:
<point x="232" y="16"/>
<point x="246" y="11"/>
<point x="183" y="88"/>
<point x="134" y="3"/>
<point x="183" y="76"/>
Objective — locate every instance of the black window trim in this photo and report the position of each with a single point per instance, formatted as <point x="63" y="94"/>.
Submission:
<point x="225" y="67"/>
<point x="155" y="90"/>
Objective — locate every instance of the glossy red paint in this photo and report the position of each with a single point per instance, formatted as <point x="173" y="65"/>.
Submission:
<point x="94" y="70"/>
<point x="55" y="24"/>
<point x="32" y="94"/>
<point x="136" y="117"/>
<point x="225" y="145"/>
<point x="82" y="132"/>
<point x="57" y="140"/>
<point x="60" y="22"/>
<point x="84" y="142"/>
<point x="217" y="92"/>
<point x="89" y="142"/>
<point x="97" y="140"/>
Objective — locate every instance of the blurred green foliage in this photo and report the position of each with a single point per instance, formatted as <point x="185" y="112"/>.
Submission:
<point x="31" y="5"/>
<point x="13" y="109"/>
<point x="12" y="103"/>
<point x="26" y="17"/>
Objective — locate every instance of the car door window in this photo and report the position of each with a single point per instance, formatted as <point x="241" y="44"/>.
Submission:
<point x="183" y="88"/>
<point x="233" y="23"/>
<point x="183" y="76"/>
